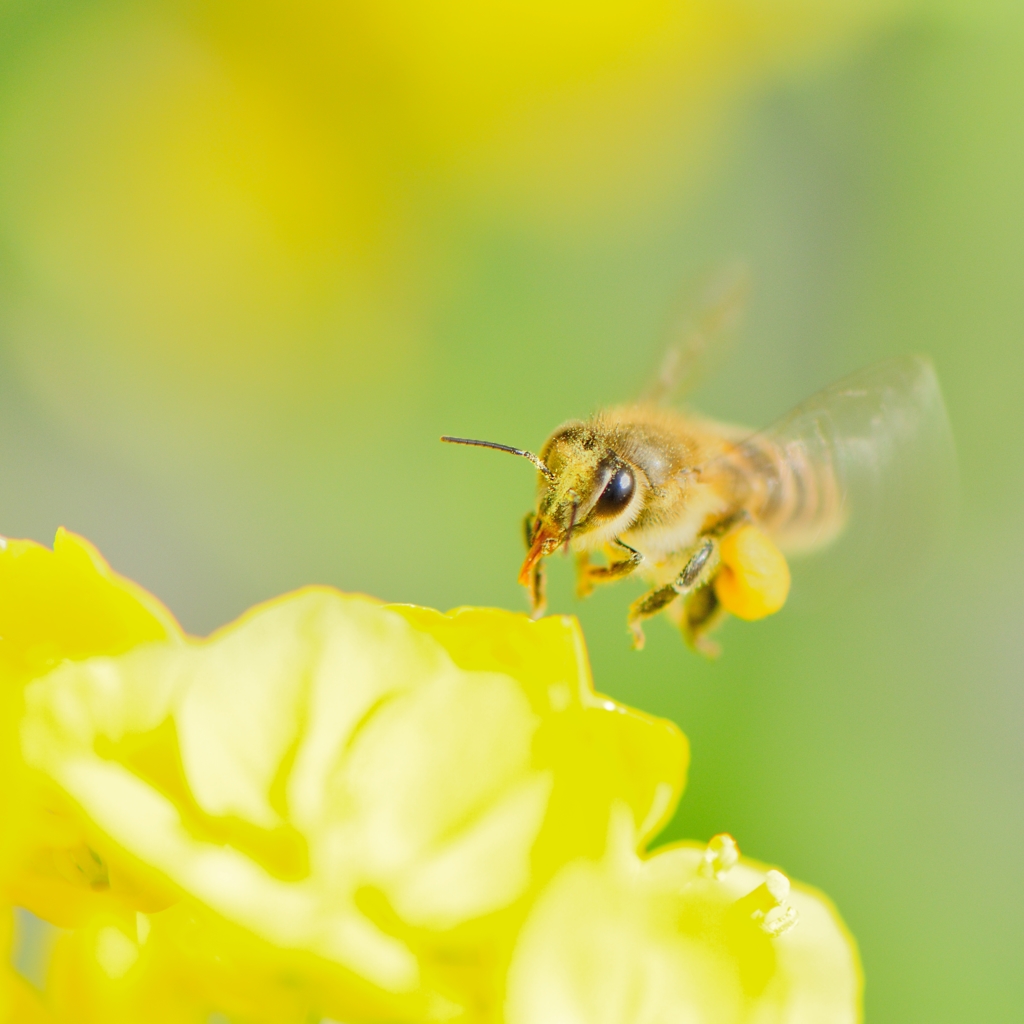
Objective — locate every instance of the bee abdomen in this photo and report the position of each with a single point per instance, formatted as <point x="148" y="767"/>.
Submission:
<point x="794" y="497"/>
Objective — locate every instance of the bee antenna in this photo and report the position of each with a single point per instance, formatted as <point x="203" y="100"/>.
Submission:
<point x="503" y="448"/>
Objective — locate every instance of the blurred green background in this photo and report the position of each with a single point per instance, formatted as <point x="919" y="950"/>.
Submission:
<point x="255" y="258"/>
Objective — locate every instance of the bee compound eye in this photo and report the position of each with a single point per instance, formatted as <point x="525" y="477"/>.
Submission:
<point x="617" y="492"/>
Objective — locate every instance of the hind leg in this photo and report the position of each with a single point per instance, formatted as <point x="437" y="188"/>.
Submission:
<point x="700" y="614"/>
<point x="644" y="607"/>
<point x="751" y="581"/>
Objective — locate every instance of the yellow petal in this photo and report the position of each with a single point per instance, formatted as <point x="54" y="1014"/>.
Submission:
<point x="19" y="1002"/>
<point x="368" y="795"/>
<point x="68" y="603"/>
<point x="109" y="972"/>
<point x="600" y="750"/>
<point x="58" y="605"/>
<point x="667" y="940"/>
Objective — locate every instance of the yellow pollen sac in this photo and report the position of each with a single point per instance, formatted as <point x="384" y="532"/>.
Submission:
<point x="754" y="579"/>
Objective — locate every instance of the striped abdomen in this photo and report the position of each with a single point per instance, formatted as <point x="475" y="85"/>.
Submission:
<point x="793" y="492"/>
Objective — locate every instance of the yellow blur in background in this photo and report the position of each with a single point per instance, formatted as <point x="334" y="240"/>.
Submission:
<point x="223" y="218"/>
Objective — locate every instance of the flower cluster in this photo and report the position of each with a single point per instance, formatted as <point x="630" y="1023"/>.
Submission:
<point x="335" y="809"/>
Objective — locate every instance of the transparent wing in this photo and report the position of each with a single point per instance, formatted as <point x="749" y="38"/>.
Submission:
<point x="700" y="341"/>
<point x="870" y="460"/>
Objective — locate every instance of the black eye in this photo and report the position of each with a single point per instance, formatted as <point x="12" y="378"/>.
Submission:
<point x="617" y="493"/>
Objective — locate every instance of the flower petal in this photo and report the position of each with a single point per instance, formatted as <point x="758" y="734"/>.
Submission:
<point x="54" y="606"/>
<point x="351" y="784"/>
<point x="68" y="603"/>
<point x="666" y="941"/>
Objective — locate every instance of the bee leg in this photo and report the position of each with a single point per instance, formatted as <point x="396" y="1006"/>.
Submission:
<point x="700" y="567"/>
<point x="528" y="522"/>
<point x="536" y="588"/>
<point x="588" y="576"/>
<point x="585" y="582"/>
<point x="749" y="577"/>
<point x="644" y="607"/>
<point x="701" y="613"/>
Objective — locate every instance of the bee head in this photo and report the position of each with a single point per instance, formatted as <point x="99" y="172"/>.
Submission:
<point x="585" y="486"/>
<point x="588" y="487"/>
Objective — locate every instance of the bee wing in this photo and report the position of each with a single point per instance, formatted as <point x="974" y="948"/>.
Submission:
<point x="699" y="342"/>
<point x="870" y="457"/>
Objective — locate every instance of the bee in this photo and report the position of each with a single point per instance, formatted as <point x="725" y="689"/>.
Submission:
<point x="707" y="512"/>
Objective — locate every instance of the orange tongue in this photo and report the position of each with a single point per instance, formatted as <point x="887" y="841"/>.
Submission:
<point x="543" y="544"/>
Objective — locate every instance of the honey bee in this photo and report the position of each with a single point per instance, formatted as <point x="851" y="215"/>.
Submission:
<point x="705" y="511"/>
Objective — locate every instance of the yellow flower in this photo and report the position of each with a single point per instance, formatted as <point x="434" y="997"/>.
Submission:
<point x="19" y="1004"/>
<point x="57" y="605"/>
<point x="362" y="797"/>
<point x="382" y="813"/>
<point x="692" y="934"/>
